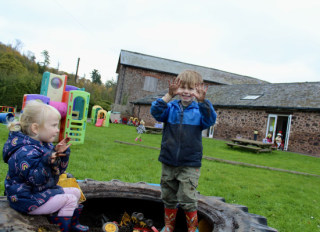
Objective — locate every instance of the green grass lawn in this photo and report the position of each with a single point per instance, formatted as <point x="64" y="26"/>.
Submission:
<point x="290" y="202"/>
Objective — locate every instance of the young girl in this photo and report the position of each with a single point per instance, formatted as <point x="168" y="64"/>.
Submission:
<point x="35" y="165"/>
<point x="140" y="129"/>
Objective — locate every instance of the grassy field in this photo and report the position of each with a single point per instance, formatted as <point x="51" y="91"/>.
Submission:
<point x="290" y="202"/>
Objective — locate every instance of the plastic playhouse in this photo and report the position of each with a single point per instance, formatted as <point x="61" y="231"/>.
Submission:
<point x="133" y="121"/>
<point x="8" y="109"/>
<point x="99" y="116"/>
<point x="7" y="114"/>
<point x="70" y="101"/>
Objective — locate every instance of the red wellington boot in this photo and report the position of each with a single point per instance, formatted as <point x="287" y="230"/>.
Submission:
<point x="192" y="221"/>
<point x="169" y="219"/>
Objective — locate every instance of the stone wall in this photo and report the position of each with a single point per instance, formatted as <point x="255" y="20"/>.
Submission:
<point x="143" y="112"/>
<point x="304" y="133"/>
<point x="240" y="122"/>
<point x="131" y="81"/>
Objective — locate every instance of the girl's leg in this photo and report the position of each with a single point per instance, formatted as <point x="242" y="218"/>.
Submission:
<point x="73" y="202"/>
<point x="64" y="203"/>
<point x="138" y="137"/>
<point x="74" y="191"/>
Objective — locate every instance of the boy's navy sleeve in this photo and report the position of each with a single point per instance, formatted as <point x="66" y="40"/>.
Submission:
<point x="208" y="115"/>
<point x="159" y="110"/>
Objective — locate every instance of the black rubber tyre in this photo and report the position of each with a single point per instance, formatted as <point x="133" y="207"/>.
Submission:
<point x="111" y="199"/>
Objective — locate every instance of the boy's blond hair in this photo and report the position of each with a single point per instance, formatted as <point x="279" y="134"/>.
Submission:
<point x="190" y="78"/>
<point x="34" y="112"/>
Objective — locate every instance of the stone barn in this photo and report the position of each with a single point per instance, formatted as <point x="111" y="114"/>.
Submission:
<point x="140" y="75"/>
<point x="292" y="108"/>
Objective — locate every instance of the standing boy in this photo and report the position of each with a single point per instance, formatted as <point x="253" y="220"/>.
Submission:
<point x="181" y="146"/>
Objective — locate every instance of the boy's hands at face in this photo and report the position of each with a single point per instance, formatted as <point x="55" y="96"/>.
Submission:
<point x="63" y="145"/>
<point x="201" y="91"/>
<point x="174" y="87"/>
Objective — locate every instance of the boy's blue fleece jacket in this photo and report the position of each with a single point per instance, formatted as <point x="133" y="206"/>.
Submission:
<point x="182" y="133"/>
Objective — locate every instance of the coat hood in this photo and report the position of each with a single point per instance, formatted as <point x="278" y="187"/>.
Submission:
<point x="15" y="141"/>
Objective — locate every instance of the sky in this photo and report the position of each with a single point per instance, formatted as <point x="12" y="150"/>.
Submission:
<point x="273" y="40"/>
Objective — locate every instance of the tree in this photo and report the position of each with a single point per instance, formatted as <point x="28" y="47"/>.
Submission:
<point x="18" y="46"/>
<point x="111" y="87"/>
<point x="42" y="66"/>
<point x="46" y="57"/>
<point x="30" y="55"/>
<point x="10" y="65"/>
<point x="96" y="77"/>
<point x="110" y="83"/>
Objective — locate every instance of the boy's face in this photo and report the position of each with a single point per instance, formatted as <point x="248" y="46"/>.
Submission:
<point x="186" y="94"/>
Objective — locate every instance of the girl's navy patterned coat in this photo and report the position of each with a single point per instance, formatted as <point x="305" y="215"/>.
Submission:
<point x="31" y="180"/>
<point x="181" y="143"/>
<point x="141" y="129"/>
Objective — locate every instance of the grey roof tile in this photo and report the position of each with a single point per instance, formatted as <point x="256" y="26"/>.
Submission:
<point x="281" y="95"/>
<point x="175" y="67"/>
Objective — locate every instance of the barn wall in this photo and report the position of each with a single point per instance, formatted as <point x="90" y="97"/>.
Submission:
<point x="304" y="134"/>
<point x="131" y="82"/>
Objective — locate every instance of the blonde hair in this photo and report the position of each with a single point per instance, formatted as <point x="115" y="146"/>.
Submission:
<point x="34" y="112"/>
<point x="190" y="78"/>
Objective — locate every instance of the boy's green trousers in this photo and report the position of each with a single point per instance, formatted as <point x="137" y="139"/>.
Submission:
<point x="179" y="186"/>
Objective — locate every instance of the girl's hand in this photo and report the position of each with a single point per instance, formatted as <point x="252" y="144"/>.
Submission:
<point x="56" y="156"/>
<point x="174" y="87"/>
<point x="201" y="91"/>
<point x="63" y="145"/>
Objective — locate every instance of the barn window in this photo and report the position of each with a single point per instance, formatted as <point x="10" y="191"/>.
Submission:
<point x="251" y="97"/>
<point x="150" y="84"/>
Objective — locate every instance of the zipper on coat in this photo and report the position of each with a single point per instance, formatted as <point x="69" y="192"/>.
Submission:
<point x="179" y="132"/>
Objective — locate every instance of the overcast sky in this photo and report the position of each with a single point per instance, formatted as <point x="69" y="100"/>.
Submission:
<point x="273" y="40"/>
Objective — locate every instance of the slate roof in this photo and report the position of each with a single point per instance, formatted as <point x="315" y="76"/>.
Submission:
<point x="303" y="96"/>
<point x="153" y="63"/>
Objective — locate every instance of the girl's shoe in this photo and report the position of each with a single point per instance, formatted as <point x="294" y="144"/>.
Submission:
<point x="75" y="224"/>
<point x="64" y="223"/>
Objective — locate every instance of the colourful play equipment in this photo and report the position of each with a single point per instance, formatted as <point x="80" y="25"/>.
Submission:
<point x="8" y="109"/>
<point x="94" y="112"/>
<point x="99" y="116"/>
<point x="70" y="101"/>
<point x="133" y="121"/>
<point x="6" y="118"/>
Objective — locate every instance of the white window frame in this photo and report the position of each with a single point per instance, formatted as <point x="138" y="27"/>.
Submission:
<point x="286" y="142"/>
<point x="150" y="84"/>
